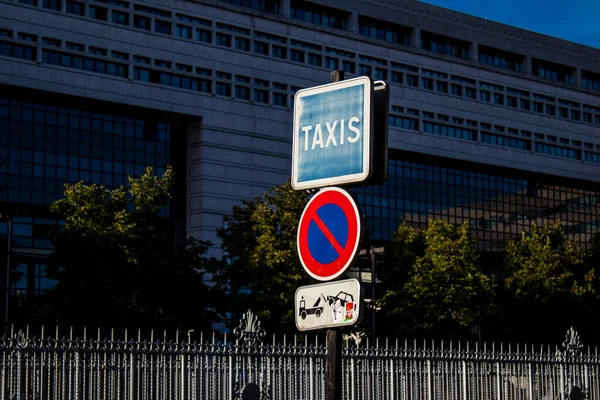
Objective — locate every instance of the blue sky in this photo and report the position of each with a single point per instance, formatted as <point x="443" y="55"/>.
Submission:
<point x="574" y="20"/>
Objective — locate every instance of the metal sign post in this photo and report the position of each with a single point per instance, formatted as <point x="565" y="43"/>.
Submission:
<point x="340" y="138"/>
<point x="333" y="384"/>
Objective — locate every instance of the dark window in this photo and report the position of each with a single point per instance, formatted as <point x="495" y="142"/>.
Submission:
<point x="51" y="42"/>
<point x="97" y="12"/>
<point x="223" y="89"/>
<point x="193" y="20"/>
<point x="17" y="51"/>
<point x="183" y="31"/>
<point x="279" y="99"/>
<point x="270" y="6"/>
<point x="427" y="83"/>
<point x="396" y="76"/>
<point x="404" y="122"/>
<point x="314" y="59"/>
<point x="470" y="92"/>
<point x="320" y="15"/>
<point x="297" y="55"/>
<point x="26" y="36"/>
<point x="75" y="7"/>
<point x="51" y="4"/>
<point x="261" y="48"/>
<point x="141" y="22"/>
<point x="441" y="86"/>
<point x="242" y="44"/>
<point x="590" y="80"/>
<point x="444" y="45"/>
<point x="223" y="40"/>
<point x="552" y="71"/>
<point x="261" y="96"/>
<point x="384" y="30"/>
<point x="501" y="59"/>
<point x="162" y="26"/>
<point x="348" y="66"/>
<point x="151" y="10"/>
<point x="484" y="95"/>
<point x="505" y="141"/>
<point x="279" y="52"/>
<point x="412" y="80"/>
<point x="74" y="46"/>
<point x="242" y="92"/>
<point x="456" y="89"/>
<point x="203" y="35"/>
<point x="120" y="17"/>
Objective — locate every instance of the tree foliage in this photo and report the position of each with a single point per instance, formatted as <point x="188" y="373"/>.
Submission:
<point x="543" y="264"/>
<point x="261" y="269"/>
<point x="115" y="260"/>
<point x="434" y="282"/>
<point x="552" y="282"/>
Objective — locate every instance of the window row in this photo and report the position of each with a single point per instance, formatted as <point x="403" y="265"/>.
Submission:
<point x="149" y="18"/>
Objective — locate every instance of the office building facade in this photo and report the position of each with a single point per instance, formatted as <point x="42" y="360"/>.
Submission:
<point x="489" y="124"/>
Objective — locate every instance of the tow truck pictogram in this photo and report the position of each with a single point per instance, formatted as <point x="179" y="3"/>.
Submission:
<point x="316" y="309"/>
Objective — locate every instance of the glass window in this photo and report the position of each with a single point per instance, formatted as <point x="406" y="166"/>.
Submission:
<point x="141" y="22"/>
<point x="97" y="12"/>
<point x="223" y="40"/>
<point x="75" y="7"/>
<point x="120" y="17"/>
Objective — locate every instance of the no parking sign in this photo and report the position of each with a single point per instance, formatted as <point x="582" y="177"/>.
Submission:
<point x="329" y="234"/>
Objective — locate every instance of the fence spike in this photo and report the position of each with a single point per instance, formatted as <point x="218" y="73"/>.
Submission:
<point x="42" y="331"/>
<point x="165" y="336"/>
<point x="71" y="332"/>
<point x="139" y="335"/>
<point x="125" y="334"/>
<point x="84" y="333"/>
<point x="112" y="334"/>
<point x="285" y="339"/>
<point x="27" y="330"/>
<point x="273" y="340"/>
<point x="316" y="340"/>
<point x="225" y="338"/>
<point x="213" y="337"/>
<point x="201" y="337"/>
<point x="152" y="335"/>
<point x="56" y="333"/>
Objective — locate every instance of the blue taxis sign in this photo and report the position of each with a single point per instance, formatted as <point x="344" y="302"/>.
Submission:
<point x="332" y="142"/>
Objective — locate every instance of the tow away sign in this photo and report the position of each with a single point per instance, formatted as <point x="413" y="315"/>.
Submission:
<point x="328" y="305"/>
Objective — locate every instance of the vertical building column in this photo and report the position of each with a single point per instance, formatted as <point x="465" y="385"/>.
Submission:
<point x="286" y="8"/>
<point x="474" y="51"/>
<point x="415" y="37"/>
<point x="354" y="22"/>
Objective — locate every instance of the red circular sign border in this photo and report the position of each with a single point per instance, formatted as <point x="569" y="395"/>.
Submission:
<point x="349" y="207"/>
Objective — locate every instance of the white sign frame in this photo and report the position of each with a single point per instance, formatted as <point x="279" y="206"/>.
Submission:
<point x="318" y="306"/>
<point x="367" y="108"/>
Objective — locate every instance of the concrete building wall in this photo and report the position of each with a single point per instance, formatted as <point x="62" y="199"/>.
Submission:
<point x="238" y="149"/>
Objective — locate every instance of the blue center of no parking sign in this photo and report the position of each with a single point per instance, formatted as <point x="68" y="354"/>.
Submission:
<point x="330" y="220"/>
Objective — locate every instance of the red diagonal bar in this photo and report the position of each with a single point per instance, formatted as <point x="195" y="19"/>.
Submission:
<point x="328" y="235"/>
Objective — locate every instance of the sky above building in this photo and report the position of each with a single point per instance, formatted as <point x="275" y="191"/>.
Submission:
<point x="576" y="20"/>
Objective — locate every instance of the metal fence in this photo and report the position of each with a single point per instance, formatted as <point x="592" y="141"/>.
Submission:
<point x="66" y="367"/>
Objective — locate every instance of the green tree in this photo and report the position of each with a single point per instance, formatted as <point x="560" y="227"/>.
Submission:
<point x="435" y="285"/>
<point x="115" y="260"/>
<point x="549" y="280"/>
<point x="261" y="269"/>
